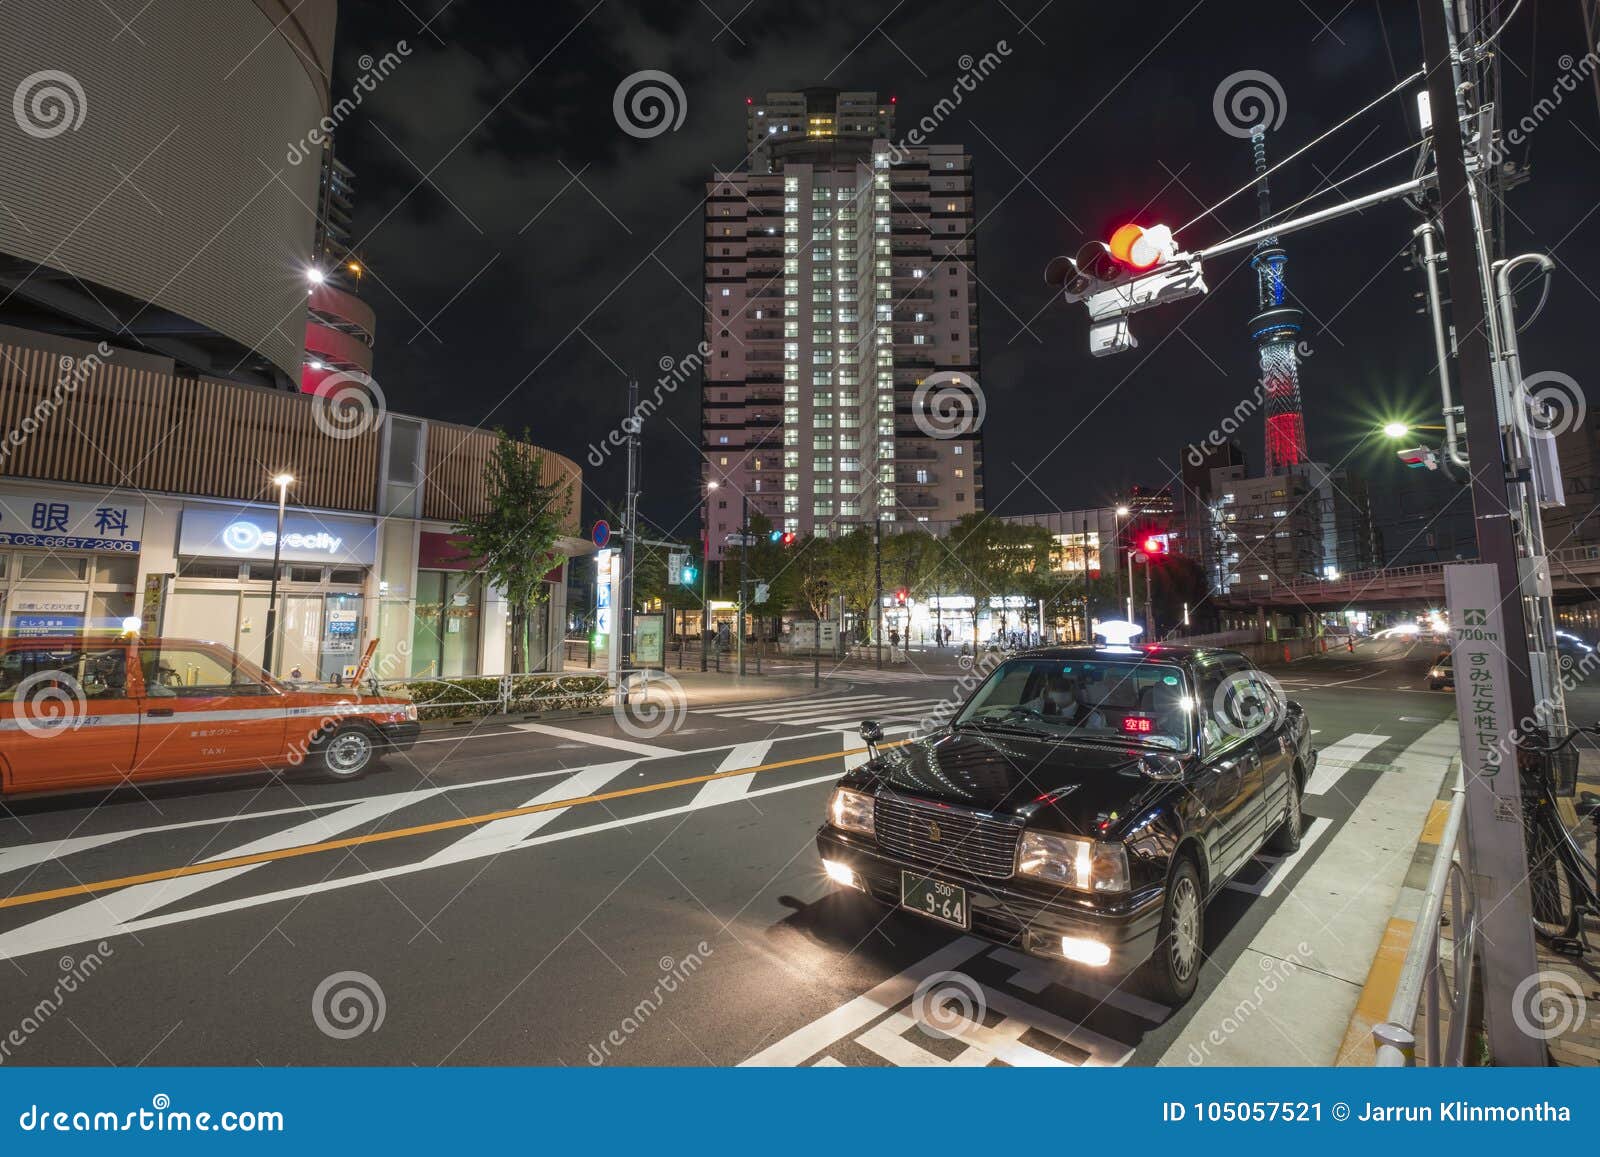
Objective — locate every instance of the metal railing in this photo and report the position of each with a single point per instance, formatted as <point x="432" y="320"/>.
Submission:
<point x="1426" y="989"/>
<point x="469" y="696"/>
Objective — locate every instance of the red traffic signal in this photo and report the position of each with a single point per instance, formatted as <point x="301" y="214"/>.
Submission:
<point x="900" y="596"/>
<point x="1153" y="544"/>
<point x="788" y="538"/>
<point x="1141" y="248"/>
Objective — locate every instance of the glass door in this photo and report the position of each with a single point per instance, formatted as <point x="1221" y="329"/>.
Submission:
<point x="341" y="635"/>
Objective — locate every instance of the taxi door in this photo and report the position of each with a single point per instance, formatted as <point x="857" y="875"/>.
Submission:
<point x="67" y="716"/>
<point x="204" y="709"/>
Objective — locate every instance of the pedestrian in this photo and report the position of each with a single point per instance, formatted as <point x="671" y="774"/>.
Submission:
<point x="894" y="638"/>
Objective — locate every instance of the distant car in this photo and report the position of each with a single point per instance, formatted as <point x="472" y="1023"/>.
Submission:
<point x="1577" y="657"/>
<point x="1083" y="805"/>
<point x="1443" y="672"/>
<point x="81" y="712"/>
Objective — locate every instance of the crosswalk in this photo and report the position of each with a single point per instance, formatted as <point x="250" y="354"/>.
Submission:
<point x="853" y="674"/>
<point x="900" y="714"/>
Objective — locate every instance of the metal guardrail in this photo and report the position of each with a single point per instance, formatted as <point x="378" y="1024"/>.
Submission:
<point x="1424" y="989"/>
<point x="549" y="690"/>
<point x="1358" y="578"/>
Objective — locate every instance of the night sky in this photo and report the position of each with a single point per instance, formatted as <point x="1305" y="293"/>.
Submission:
<point x="527" y="255"/>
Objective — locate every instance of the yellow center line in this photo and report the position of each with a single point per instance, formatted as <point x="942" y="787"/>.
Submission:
<point x="95" y="886"/>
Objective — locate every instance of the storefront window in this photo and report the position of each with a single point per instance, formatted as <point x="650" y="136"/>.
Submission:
<point x="44" y="594"/>
<point x="445" y="635"/>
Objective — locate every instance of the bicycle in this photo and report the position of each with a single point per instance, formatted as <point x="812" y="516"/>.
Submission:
<point x="1562" y="884"/>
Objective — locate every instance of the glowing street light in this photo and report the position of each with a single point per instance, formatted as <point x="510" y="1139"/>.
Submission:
<point x="1395" y="430"/>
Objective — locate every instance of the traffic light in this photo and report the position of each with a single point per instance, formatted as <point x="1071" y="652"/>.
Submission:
<point x="690" y="574"/>
<point x="900" y="597"/>
<point x="1139" y="248"/>
<point x="787" y="538"/>
<point x="1153" y="544"/>
<point x="1141" y="267"/>
<point x="775" y="536"/>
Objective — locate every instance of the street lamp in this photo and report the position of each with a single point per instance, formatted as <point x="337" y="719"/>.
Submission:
<point x="282" y="482"/>
<point x="1123" y="512"/>
<point x="705" y="607"/>
<point x="1401" y="429"/>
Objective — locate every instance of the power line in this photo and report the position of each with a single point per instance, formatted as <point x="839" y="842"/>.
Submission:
<point x="1259" y="177"/>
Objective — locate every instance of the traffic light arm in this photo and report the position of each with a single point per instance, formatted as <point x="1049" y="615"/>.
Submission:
<point x="1295" y="224"/>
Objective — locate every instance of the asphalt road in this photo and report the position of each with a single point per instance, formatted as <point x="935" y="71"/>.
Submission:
<point x="636" y="905"/>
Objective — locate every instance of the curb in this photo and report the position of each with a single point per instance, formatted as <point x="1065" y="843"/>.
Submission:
<point x="1377" y="994"/>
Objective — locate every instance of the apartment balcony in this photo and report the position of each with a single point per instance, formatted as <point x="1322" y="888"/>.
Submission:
<point x="764" y="335"/>
<point x="915" y="501"/>
<point x="911" y="452"/>
<point x="764" y="356"/>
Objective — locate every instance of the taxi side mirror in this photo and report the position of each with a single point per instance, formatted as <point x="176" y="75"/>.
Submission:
<point x="872" y="735"/>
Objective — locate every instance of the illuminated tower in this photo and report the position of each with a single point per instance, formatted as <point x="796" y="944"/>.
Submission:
<point x="1275" y="330"/>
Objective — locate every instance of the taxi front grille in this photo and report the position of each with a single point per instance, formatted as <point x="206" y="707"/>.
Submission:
<point x="952" y="839"/>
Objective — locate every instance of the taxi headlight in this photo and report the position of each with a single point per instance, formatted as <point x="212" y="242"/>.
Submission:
<point x="851" y="810"/>
<point x="409" y="712"/>
<point x="1074" y="862"/>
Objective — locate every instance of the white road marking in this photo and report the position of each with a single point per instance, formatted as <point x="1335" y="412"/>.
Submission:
<point x="1278" y="868"/>
<point x="646" y="749"/>
<point x="118" y="916"/>
<point x="854" y="1015"/>
<point x="121" y="911"/>
<point x="1034" y="974"/>
<point x="504" y="834"/>
<point x="735" y="787"/>
<point x="1337" y="758"/>
<point x="880" y="1021"/>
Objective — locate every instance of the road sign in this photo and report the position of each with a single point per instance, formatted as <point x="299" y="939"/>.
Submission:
<point x="761" y="593"/>
<point x="601" y="533"/>
<point x="739" y="539"/>
<point x="675" y="569"/>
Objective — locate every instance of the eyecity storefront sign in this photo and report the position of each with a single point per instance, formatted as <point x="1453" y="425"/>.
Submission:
<point x="253" y="534"/>
<point x="70" y="520"/>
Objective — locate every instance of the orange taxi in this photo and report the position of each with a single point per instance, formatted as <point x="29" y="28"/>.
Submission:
<point x="78" y="712"/>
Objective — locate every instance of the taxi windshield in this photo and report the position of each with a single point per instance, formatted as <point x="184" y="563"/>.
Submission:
<point x="1127" y="700"/>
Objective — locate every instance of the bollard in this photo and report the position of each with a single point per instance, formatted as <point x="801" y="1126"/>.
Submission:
<point x="1396" y="1046"/>
<point x="1287" y="658"/>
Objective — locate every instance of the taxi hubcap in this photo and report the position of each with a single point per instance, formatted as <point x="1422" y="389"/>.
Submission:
<point x="348" y="751"/>
<point x="1294" y="809"/>
<point x="1185" y="928"/>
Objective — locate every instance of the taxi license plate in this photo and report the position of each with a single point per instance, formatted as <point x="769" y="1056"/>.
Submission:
<point x="946" y="903"/>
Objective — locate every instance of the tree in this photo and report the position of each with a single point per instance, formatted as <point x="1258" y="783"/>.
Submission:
<point x="513" y="541"/>
<point x="853" y="575"/>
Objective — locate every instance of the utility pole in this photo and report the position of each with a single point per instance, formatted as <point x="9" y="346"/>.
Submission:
<point x="1149" y="611"/>
<point x="744" y="568"/>
<point x="705" y="607"/>
<point x="1494" y="821"/>
<point x="630" y="529"/>
<point x="877" y="588"/>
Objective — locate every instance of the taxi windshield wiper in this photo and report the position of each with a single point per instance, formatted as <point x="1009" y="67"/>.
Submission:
<point x="990" y="723"/>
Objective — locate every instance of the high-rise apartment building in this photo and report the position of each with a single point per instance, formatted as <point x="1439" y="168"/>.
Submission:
<point x="842" y="324"/>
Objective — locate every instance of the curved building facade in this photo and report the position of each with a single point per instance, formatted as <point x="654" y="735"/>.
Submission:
<point x="148" y="181"/>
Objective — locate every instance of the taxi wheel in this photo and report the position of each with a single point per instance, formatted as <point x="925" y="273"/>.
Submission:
<point x="1174" y="969"/>
<point x="348" y="753"/>
<point x="1286" y="838"/>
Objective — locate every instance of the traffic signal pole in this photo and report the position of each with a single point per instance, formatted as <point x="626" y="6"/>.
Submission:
<point x="623" y="645"/>
<point x="1497" y="854"/>
<point x="744" y="570"/>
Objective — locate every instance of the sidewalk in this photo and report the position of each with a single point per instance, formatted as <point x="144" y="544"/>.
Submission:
<point x="1567" y="1015"/>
